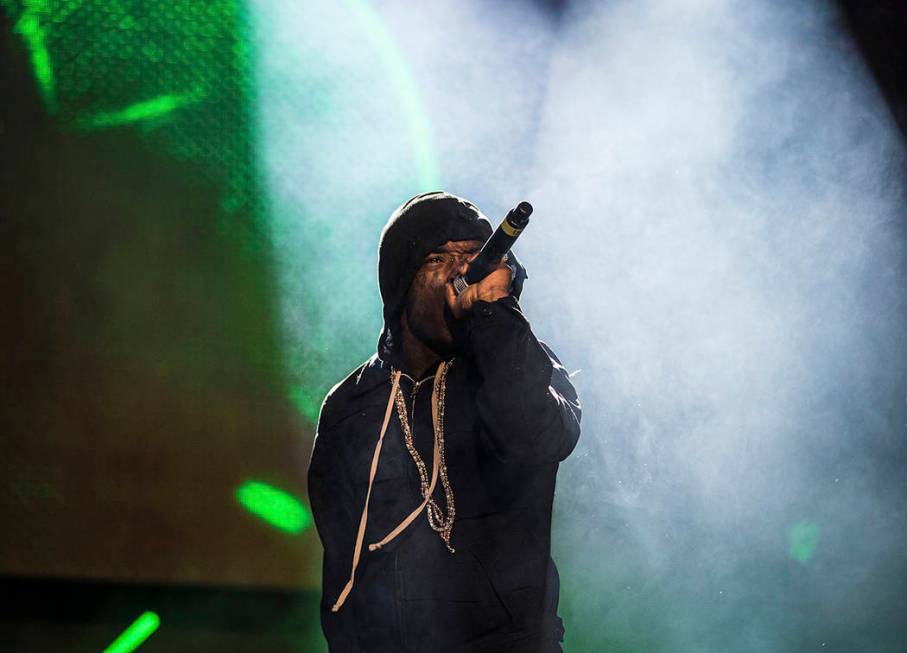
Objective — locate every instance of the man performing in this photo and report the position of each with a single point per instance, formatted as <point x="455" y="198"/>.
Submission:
<point x="433" y="473"/>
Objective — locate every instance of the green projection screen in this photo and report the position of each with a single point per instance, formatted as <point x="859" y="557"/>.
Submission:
<point x="149" y="433"/>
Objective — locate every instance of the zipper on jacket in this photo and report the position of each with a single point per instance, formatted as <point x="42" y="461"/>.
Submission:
<point x="414" y="475"/>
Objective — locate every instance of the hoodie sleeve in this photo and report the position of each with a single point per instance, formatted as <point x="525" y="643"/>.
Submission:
<point x="331" y="503"/>
<point x="526" y="399"/>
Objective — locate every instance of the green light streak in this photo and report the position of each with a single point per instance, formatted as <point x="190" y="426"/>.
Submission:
<point x="803" y="537"/>
<point x="276" y="507"/>
<point x="34" y="33"/>
<point x="145" y="110"/>
<point x="131" y="638"/>
<point x="308" y="405"/>
<point x="405" y="86"/>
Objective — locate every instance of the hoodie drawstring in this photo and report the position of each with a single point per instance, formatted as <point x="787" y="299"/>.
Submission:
<point x="395" y="386"/>
<point x="371" y="477"/>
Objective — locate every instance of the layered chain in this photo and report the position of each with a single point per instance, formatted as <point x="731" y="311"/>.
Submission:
<point x="436" y="518"/>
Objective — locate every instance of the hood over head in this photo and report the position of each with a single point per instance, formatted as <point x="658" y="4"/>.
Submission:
<point x="414" y="230"/>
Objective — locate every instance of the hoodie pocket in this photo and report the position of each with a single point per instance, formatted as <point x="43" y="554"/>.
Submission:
<point x="450" y="601"/>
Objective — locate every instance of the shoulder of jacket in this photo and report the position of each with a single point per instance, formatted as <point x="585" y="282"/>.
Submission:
<point x="554" y="359"/>
<point x="349" y="395"/>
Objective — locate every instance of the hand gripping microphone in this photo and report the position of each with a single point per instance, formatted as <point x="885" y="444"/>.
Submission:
<point x="496" y="247"/>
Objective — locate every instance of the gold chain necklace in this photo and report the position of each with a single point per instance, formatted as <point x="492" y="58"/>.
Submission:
<point x="436" y="519"/>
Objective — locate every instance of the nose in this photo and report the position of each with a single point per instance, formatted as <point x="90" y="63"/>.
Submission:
<point x="462" y="264"/>
<point x="464" y="261"/>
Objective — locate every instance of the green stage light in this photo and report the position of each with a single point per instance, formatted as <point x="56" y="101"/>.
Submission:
<point x="276" y="507"/>
<point x="33" y="31"/>
<point x="154" y="108"/>
<point x="133" y="637"/>
<point x="306" y="400"/>
<point x="417" y="119"/>
<point x="803" y="537"/>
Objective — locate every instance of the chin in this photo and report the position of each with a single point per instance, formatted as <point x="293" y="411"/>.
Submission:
<point x="443" y="345"/>
<point x="439" y="331"/>
<point x="457" y="333"/>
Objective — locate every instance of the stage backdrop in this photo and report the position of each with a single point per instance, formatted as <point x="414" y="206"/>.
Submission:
<point x="151" y="431"/>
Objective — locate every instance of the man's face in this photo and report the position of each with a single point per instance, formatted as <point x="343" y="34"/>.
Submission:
<point x="427" y="314"/>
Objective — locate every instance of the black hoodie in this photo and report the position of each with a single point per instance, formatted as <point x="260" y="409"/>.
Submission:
<point x="511" y="415"/>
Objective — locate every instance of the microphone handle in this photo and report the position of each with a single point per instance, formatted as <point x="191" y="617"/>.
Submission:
<point x="499" y="244"/>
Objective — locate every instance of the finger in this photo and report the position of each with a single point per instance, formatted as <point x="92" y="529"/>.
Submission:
<point x="450" y="294"/>
<point x="501" y="275"/>
<point x="495" y="285"/>
<point x="455" y="302"/>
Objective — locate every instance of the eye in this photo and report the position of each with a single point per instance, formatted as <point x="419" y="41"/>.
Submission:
<point x="434" y="259"/>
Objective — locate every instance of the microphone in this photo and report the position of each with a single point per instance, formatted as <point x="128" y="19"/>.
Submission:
<point x="496" y="247"/>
